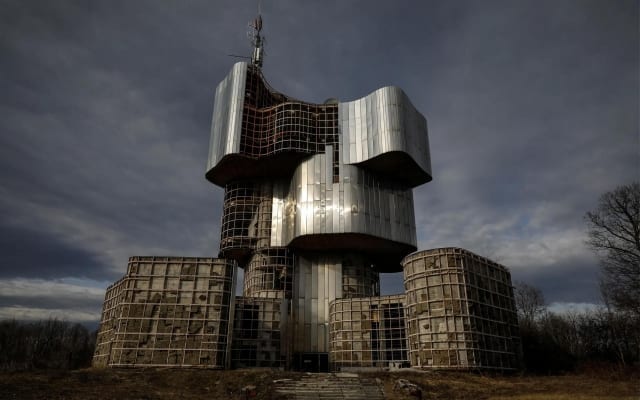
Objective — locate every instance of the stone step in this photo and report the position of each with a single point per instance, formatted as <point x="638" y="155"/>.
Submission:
<point x="329" y="386"/>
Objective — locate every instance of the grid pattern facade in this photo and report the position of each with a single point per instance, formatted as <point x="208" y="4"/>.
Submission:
<point x="367" y="332"/>
<point x="460" y="311"/>
<point x="273" y="123"/>
<point x="108" y="323"/>
<point x="170" y="311"/>
<point x="257" y="330"/>
<point x="268" y="273"/>
<point x="359" y="279"/>
<point x="246" y="218"/>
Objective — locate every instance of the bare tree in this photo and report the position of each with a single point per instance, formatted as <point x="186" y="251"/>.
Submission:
<point x="529" y="302"/>
<point x="50" y="344"/>
<point x="614" y="234"/>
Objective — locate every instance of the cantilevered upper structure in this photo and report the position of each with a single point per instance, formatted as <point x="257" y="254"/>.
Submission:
<point x="336" y="175"/>
<point x="317" y="203"/>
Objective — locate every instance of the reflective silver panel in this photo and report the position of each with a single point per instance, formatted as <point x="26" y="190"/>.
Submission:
<point x="227" y="115"/>
<point x="360" y="203"/>
<point x="383" y="122"/>
<point x="319" y="280"/>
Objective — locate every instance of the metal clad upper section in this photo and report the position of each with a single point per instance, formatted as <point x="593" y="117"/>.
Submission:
<point x="227" y="115"/>
<point x="382" y="125"/>
<point x="341" y="174"/>
<point x="260" y="133"/>
<point x="359" y="203"/>
<point x="253" y="126"/>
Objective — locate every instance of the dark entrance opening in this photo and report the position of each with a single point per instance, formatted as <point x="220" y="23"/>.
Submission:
<point x="311" y="362"/>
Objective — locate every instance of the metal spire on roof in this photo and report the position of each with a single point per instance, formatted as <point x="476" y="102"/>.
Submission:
<point x="256" y="39"/>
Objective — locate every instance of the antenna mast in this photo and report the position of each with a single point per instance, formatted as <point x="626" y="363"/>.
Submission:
<point x="256" y="39"/>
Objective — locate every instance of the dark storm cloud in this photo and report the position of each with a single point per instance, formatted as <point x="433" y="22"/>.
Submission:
<point x="101" y="150"/>
<point x="80" y="303"/>
<point x="33" y="254"/>
<point x="538" y="117"/>
<point x="106" y="106"/>
<point x="36" y="299"/>
<point x="570" y="283"/>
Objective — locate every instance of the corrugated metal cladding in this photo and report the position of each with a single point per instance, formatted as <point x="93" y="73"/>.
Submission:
<point x="383" y="122"/>
<point x="359" y="203"/>
<point x="227" y="115"/>
<point x="318" y="280"/>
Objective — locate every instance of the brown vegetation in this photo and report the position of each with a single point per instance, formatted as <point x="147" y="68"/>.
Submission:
<point x="554" y="343"/>
<point x="201" y="384"/>
<point x="50" y="344"/>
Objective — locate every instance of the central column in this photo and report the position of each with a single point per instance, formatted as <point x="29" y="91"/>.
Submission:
<point x="319" y="279"/>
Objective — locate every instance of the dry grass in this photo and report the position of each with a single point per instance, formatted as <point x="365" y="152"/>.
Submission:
<point x="443" y="385"/>
<point x="204" y="384"/>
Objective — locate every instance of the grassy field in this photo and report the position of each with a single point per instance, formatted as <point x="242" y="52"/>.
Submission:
<point x="202" y="384"/>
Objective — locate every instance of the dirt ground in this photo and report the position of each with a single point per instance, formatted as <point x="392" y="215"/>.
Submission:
<point x="154" y="384"/>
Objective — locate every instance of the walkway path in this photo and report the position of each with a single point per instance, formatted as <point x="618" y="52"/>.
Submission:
<point x="330" y="386"/>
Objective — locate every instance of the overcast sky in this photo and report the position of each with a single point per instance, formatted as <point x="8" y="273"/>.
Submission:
<point x="106" y="107"/>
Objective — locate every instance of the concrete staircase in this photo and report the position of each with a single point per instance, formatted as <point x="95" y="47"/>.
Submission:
<point x="330" y="386"/>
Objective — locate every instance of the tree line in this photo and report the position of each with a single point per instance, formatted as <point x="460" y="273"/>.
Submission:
<point x="562" y="342"/>
<point x="50" y="344"/>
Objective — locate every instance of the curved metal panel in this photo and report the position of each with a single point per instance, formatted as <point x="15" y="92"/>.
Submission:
<point x="358" y="203"/>
<point x="258" y="132"/>
<point x="381" y="125"/>
<point x="227" y="115"/>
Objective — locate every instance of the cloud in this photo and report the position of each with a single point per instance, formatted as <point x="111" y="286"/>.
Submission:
<point x="532" y="110"/>
<point x="37" y="314"/>
<point x="32" y="299"/>
<point x="33" y="254"/>
<point x="573" y="308"/>
<point x="97" y="163"/>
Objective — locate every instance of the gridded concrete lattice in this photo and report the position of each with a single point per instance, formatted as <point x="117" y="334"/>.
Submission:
<point x="246" y="218"/>
<point x="257" y="334"/>
<point x="368" y="332"/>
<point x="460" y="311"/>
<point x="273" y="123"/>
<point x="167" y="311"/>
<point x="269" y="273"/>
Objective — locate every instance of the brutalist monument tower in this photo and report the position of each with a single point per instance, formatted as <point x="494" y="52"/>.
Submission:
<point x="317" y="204"/>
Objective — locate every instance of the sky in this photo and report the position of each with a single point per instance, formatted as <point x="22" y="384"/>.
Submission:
<point x="106" y="106"/>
